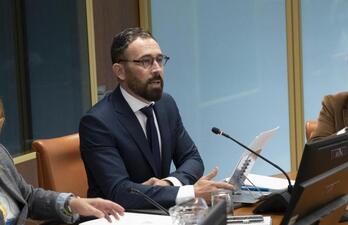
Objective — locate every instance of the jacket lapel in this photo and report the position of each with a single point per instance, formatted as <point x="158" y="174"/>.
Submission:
<point x="130" y="122"/>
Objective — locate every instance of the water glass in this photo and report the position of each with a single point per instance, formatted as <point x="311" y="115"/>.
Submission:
<point x="223" y="195"/>
<point x="189" y="213"/>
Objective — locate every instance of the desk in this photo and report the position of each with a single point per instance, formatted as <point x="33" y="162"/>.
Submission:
<point x="276" y="218"/>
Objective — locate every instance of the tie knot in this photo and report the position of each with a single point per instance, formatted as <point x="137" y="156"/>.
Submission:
<point x="147" y="111"/>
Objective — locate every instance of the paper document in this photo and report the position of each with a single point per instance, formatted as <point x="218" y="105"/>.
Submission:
<point x="248" y="159"/>
<point x="266" y="183"/>
<point x="133" y="219"/>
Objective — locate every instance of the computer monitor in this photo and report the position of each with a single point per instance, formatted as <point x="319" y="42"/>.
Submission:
<point x="317" y="158"/>
<point x="322" y="181"/>
<point x="322" y="155"/>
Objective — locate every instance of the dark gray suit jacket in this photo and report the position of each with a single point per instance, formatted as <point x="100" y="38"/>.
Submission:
<point x="35" y="203"/>
<point x="117" y="156"/>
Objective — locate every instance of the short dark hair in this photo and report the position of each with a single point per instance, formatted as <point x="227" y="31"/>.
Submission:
<point x="123" y="39"/>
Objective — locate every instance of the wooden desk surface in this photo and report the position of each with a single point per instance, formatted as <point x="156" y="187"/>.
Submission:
<point x="276" y="218"/>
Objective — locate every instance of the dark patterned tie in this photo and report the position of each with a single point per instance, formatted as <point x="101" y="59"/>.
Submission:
<point x="152" y="136"/>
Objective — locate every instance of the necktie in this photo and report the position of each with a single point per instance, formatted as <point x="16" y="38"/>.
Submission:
<point x="152" y="136"/>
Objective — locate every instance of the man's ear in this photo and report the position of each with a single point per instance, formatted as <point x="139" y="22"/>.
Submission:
<point x="118" y="69"/>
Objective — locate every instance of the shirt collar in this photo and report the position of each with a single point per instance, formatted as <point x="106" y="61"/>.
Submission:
<point x="133" y="102"/>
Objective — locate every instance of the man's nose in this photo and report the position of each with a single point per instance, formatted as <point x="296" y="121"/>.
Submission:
<point x="156" y="66"/>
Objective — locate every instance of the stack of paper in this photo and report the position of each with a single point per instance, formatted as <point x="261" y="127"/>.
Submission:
<point x="266" y="183"/>
<point x="133" y="219"/>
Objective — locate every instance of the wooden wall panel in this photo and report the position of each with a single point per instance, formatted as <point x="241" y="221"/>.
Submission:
<point x="110" y="17"/>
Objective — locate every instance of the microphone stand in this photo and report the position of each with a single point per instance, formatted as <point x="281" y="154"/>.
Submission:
<point x="276" y="202"/>
<point x="147" y="198"/>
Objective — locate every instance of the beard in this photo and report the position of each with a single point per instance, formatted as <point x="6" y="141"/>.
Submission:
<point x="146" y="90"/>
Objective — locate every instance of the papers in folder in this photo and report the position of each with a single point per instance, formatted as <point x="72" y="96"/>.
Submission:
<point x="133" y="219"/>
<point x="248" y="159"/>
<point x="266" y="183"/>
<point x="244" y="166"/>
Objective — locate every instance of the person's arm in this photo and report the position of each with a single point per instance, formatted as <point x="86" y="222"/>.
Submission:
<point x="41" y="203"/>
<point x="97" y="207"/>
<point x="201" y="189"/>
<point x="186" y="158"/>
<point x="50" y="205"/>
<point x="327" y="118"/>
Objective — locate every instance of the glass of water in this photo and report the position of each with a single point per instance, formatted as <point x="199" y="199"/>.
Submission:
<point x="223" y="195"/>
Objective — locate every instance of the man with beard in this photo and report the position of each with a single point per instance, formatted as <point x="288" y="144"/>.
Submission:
<point x="129" y="138"/>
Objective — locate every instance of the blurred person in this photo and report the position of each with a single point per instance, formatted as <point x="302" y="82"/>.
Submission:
<point x="333" y="116"/>
<point x="19" y="200"/>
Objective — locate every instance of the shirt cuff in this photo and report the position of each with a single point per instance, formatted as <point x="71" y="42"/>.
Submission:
<point x="185" y="193"/>
<point x="344" y="130"/>
<point x="175" y="181"/>
<point x="60" y="208"/>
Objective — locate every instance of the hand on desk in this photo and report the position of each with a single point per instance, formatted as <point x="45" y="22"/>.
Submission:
<point x="96" y="207"/>
<point x="205" y="186"/>
<point x="156" y="181"/>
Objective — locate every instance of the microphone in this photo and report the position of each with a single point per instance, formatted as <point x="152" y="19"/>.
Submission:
<point x="276" y="202"/>
<point x="147" y="198"/>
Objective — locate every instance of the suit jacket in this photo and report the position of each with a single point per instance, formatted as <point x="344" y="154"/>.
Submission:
<point x="333" y="115"/>
<point x="35" y="203"/>
<point x="117" y="156"/>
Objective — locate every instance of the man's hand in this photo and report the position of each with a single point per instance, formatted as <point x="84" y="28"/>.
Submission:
<point x="156" y="181"/>
<point x="205" y="185"/>
<point x="97" y="207"/>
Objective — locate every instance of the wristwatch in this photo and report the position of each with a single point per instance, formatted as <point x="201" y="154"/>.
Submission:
<point x="67" y="212"/>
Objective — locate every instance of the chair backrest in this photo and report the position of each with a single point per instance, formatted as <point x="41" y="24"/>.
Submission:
<point x="60" y="167"/>
<point x="310" y="126"/>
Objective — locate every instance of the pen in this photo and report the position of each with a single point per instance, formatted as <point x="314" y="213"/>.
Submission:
<point x="245" y="221"/>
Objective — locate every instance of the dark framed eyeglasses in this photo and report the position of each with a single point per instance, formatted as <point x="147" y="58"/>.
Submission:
<point x="147" y="61"/>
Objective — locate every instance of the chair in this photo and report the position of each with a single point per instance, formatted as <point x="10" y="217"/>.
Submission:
<point x="310" y="126"/>
<point x="60" y="167"/>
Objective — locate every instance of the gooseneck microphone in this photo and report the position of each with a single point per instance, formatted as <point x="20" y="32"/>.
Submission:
<point x="147" y="198"/>
<point x="276" y="202"/>
<point x="219" y="132"/>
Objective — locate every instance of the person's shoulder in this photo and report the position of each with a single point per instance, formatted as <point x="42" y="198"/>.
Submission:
<point x="4" y="154"/>
<point x="167" y="100"/>
<point x="101" y="107"/>
<point x="166" y="97"/>
<point x="340" y="98"/>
